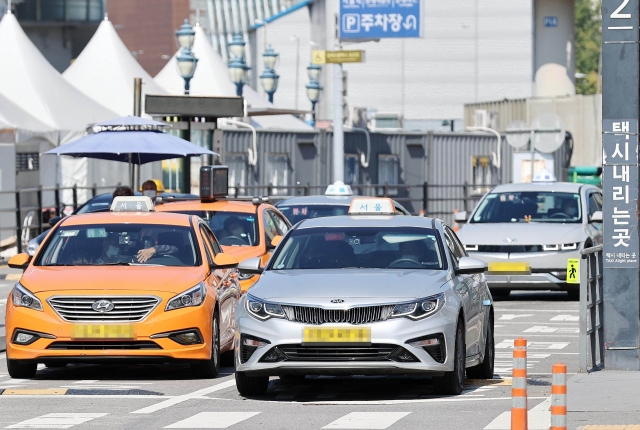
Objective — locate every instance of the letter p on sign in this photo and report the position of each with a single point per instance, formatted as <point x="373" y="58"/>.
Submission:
<point x="351" y="23"/>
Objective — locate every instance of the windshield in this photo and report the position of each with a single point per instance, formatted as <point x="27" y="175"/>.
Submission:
<point x="297" y="213"/>
<point x="231" y="228"/>
<point x="121" y="244"/>
<point x="95" y="205"/>
<point x="360" y="247"/>
<point x="530" y="206"/>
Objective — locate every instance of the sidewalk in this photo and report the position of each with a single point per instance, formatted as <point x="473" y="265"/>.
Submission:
<point x="601" y="399"/>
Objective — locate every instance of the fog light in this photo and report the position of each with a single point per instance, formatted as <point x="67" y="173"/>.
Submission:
<point x="254" y="342"/>
<point x="188" y="338"/>
<point x="27" y="337"/>
<point x="24" y="338"/>
<point x="425" y="342"/>
<point x="273" y="355"/>
<point x="401" y="354"/>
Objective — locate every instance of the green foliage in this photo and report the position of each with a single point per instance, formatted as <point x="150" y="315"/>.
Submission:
<point x="588" y="42"/>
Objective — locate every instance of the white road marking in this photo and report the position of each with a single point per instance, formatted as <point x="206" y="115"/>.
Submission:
<point x="540" y="310"/>
<point x="179" y="399"/>
<point x="537" y="335"/>
<point x="509" y="317"/>
<point x="212" y="420"/>
<point x="3" y="355"/>
<point x="88" y="381"/>
<point x="101" y="387"/>
<point x="508" y="343"/>
<point x="433" y="399"/>
<point x="547" y="329"/>
<point x="56" y="421"/>
<point x="539" y="418"/>
<point x="367" y="420"/>
<point x="566" y="318"/>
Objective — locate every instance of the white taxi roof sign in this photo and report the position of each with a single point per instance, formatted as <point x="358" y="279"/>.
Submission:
<point x="371" y="206"/>
<point x="338" y="188"/>
<point x="132" y="204"/>
<point x="544" y="176"/>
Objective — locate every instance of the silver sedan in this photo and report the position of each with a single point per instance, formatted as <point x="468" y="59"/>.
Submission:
<point x="366" y="295"/>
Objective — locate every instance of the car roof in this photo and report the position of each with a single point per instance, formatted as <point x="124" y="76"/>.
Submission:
<point x="218" y="205"/>
<point x="317" y="200"/>
<point x="566" y="187"/>
<point x="368" y="221"/>
<point x="127" y="218"/>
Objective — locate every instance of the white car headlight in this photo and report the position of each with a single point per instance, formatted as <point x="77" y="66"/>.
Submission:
<point x="20" y="296"/>
<point x="192" y="297"/>
<point x="264" y="310"/>
<point x="420" y="308"/>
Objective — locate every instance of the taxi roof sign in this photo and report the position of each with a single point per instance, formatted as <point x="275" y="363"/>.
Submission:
<point x="544" y="176"/>
<point x="371" y="206"/>
<point x="132" y="204"/>
<point x="338" y="188"/>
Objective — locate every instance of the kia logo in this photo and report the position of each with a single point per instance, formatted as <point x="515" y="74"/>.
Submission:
<point x="337" y="301"/>
<point x="102" y="306"/>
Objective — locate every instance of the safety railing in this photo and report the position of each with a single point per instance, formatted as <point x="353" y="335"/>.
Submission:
<point x="591" y="327"/>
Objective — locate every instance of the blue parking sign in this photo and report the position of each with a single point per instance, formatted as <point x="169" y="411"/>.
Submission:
<point x="374" y="19"/>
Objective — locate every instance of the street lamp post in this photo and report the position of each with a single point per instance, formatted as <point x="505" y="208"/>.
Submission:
<point x="238" y="69"/>
<point x="269" y="78"/>
<point x="313" y="89"/>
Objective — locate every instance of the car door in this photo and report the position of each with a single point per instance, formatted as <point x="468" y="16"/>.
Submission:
<point x="463" y="289"/>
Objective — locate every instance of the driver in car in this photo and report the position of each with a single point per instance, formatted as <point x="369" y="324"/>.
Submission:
<point x="233" y="228"/>
<point x="111" y="250"/>
<point x="414" y="250"/>
<point x="147" y="253"/>
<point x="570" y="208"/>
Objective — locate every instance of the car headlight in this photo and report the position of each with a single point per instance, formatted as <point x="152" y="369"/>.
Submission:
<point x="420" y="308"/>
<point x="264" y="310"/>
<point x="33" y="246"/>
<point x="192" y="297"/>
<point x="563" y="247"/>
<point x="20" y="296"/>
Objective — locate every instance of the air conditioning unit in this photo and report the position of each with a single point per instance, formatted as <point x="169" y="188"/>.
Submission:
<point x="482" y="118"/>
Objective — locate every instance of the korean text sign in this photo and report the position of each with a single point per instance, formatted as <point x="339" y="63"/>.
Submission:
<point x="373" y="19"/>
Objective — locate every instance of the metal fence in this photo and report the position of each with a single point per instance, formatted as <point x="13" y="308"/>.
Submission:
<point x="591" y="323"/>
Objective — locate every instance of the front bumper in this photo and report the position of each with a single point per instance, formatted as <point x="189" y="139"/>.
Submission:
<point x="157" y="322"/>
<point x="392" y="333"/>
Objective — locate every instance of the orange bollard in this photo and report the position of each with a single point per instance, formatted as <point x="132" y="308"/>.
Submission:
<point x="520" y="343"/>
<point x="559" y="398"/>
<point x="519" y="420"/>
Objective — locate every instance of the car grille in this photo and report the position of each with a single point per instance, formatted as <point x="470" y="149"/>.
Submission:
<point x="513" y="249"/>
<point x="125" y="308"/>
<point x="359" y="315"/>
<point x="374" y="352"/>
<point x="104" y="345"/>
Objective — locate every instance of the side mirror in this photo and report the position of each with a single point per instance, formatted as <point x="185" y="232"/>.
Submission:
<point x="596" y="217"/>
<point x="276" y="241"/>
<point x="470" y="265"/>
<point x="460" y="217"/>
<point x="225" y="261"/>
<point x="251" y="266"/>
<point x="55" y="220"/>
<point x="20" y="261"/>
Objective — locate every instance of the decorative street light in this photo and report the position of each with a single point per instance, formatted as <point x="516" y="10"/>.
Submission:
<point x="186" y="60"/>
<point x="237" y="46"/>
<point x="238" y="68"/>
<point x="313" y="89"/>
<point x="269" y="78"/>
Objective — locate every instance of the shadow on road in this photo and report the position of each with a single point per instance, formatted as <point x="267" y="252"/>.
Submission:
<point x="533" y="296"/>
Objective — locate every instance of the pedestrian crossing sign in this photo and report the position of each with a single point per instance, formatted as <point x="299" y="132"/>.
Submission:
<point x="573" y="271"/>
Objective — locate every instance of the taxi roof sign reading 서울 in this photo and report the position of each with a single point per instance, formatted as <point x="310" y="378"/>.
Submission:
<point x="371" y="205"/>
<point x="132" y="204"/>
<point x="338" y="188"/>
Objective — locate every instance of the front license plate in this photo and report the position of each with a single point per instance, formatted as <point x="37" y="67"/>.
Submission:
<point x="509" y="269"/>
<point x="95" y="331"/>
<point x="336" y="336"/>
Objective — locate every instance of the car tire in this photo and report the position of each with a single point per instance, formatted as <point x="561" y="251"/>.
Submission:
<point x="500" y="293"/>
<point x="453" y="382"/>
<point x="209" y="369"/>
<point x="21" y="369"/>
<point x="54" y="364"/>
<point x="485" y="369"/>
<point x="227" y="359"/>
<point x="251" y="385"/>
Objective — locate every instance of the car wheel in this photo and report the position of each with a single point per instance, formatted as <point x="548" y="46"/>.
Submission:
<point x="209" y="369"/>
<point x="251" y="385"/>
<point x="21" y="369"/>
<point x="484" y="370"/>
<point x="54" y="364"/>
<point x="453" y="382"/>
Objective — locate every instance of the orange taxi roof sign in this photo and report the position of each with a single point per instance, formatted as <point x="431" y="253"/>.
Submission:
<point x="371" y="206"/>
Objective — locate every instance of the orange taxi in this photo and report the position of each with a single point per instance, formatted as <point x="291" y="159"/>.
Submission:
<point x="129" y="285"/>
<point x="245" y="228"/>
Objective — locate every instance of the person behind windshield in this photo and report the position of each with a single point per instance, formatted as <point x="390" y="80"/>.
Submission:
<point x="111" y="250"/>
<point x="570" y="208"/>
<point x="233" y="228"/>
<point x="413" y="250"/>
<point x="123" y="191"/>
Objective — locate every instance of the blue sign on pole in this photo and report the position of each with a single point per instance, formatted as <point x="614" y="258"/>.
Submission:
<point x="374" y="19"/>
<point x="550" y="21"/>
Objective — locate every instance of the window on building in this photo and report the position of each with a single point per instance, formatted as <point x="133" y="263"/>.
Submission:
<point x="27" y="161"/>
<point x="238" y="167"/>
<point x="278" y="172"/>
<point x="388" y="172"/>
<point x="351" y="169"/>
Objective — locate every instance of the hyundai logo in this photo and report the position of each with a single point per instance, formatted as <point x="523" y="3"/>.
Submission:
<point x="102" y="306"/>
<point x="337" y="301"/>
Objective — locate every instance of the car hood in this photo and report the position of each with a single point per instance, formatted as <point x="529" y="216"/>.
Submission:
<point x="354" y="286"/>
<point x="521" y="233"/>
<point x="243" y="252"/>
<point x="133" y="278"/>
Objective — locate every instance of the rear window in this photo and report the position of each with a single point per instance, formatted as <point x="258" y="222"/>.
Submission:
<point x="297" y="213"/>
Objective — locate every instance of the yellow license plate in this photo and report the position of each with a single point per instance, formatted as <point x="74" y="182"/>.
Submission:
<point x="509" y="269"/>
<point x="95" y="331"/>
<point x="336" y="335"/>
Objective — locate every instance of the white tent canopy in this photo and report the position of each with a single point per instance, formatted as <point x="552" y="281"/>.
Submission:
<point x="212" y="79"/>
<point x="105" y="70"/>
<point x="33" y="84"/>
<point x="13" y="117"/>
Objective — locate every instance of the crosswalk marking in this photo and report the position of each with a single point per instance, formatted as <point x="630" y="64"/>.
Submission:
<point x="538" y="418"/>
<point x="508" y="343"/>
<point x="212" y="420"/>
<point x="56" y="421"/>
<point x="547" y="329"/>
<point x="566" y="318"/>
<point x="367" y="420"/>
<point x="509" y="317"/>
<point x="179" y="399"/>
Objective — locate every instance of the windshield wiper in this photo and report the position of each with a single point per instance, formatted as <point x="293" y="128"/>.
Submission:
<point x="115" y="263"/>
